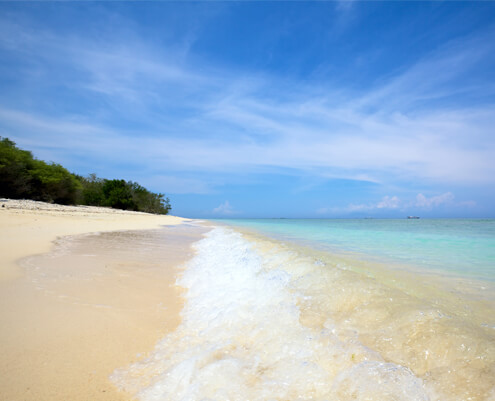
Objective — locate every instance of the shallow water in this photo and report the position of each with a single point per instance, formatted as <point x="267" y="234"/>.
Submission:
<point x="461" y="246"/>
<point x="79" y="265"/>
<point x="88" y="306"/>
<point x="266" y="320"/>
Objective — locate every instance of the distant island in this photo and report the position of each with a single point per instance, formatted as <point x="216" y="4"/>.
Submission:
<point x="24" y="177"/>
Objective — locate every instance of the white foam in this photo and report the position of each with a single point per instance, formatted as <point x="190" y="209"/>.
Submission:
<point x="241" y="339"/>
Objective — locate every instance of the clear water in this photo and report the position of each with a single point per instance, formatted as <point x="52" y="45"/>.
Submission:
<point x="461" y="246"/>
<point x="266" y="319"/>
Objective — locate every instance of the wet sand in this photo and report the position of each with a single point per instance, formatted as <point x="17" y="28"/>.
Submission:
<point x="86" y="304"/>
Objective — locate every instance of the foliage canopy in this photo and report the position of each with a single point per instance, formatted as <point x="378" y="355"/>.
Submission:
<point x="24" y="177"/>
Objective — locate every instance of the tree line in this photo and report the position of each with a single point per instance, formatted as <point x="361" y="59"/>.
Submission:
<point x="24" y="177"/>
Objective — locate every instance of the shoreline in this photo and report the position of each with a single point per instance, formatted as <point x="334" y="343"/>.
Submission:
<point x="93" y="314"/>
<point x="427" y="310"/>
<point x="74" y="306"/>
<point x="449" y="289"/>
<point x="368" y="256"/>
<point x="30" y="227"/>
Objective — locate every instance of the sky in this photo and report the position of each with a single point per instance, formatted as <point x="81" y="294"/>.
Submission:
<point x="264" y="108"/>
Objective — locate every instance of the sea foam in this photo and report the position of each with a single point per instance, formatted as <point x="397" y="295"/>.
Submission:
<point x="243" y="338"/>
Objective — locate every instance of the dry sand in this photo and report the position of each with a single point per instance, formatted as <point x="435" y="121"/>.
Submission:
<point x="65" y="328"/>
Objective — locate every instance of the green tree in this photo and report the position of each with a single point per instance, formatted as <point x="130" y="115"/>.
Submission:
<point x="23" y="176"/>
<point x="53" y="183"/>
<point x="148" y="201"/>
<point x="118" y="194"/>
<point x="15" y="180"/>
<point x="92" y="192"/>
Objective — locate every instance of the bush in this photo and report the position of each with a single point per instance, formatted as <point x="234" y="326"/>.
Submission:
<point x="24" y="177"/>
<point x="122" y="195"/>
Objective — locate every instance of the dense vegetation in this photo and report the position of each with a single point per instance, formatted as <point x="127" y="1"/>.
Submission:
<point x="24" y="177"/>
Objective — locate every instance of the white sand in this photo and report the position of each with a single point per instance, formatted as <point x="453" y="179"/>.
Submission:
<point x="52" y="349"/>
<point x="29" y="227"/>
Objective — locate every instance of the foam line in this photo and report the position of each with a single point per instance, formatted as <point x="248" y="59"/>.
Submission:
<point x="241" y="339"/>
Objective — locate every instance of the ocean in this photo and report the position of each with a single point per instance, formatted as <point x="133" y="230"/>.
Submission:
<point x="317" y="309"/>
<point x="454" y="246"/>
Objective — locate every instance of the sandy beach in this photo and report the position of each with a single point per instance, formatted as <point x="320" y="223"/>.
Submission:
<point x="68" y="324"/>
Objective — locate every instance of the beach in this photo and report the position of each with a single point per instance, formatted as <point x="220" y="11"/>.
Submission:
<point x="77" y="301"/>
<point x="334" y="164"/>
<point x="98" y="304"/>
<point x="271" y="315"/>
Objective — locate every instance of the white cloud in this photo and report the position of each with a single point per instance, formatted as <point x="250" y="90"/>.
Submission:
<point x="224" y="208"/>
<point x="394" y="203"/>
<point x="358" y="207"/>
<point x="213" y="120"/>
<point x="388" y="203"/>
<point x="434" y="201"/>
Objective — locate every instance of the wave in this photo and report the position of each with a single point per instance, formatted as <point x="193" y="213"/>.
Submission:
<point x="263" y="322"/>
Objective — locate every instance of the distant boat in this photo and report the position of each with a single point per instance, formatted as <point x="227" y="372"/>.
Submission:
<point x="412" y="217"/>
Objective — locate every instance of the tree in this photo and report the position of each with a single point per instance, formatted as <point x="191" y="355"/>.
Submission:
<point x="23" y="176"/>
<point x="92" y="192"/>
<point x="118" y="194"/>
<point x="53" y="183"/>
<point x="15" y="180"/>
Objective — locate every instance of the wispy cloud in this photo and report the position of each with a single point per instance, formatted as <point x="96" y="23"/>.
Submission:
<point x="428" y="203"/>
<point x="225" y="209"/>
<point x="167" y="114"/>
<point x="387" y="202"/>
<point x="420" y="202"/>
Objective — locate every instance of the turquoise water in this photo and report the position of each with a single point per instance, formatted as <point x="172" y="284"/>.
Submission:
<point x="265" y="318"/>
<point x="459" y="246"/>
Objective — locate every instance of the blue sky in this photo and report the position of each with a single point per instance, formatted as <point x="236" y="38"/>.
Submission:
<point x="262" y="109"/>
